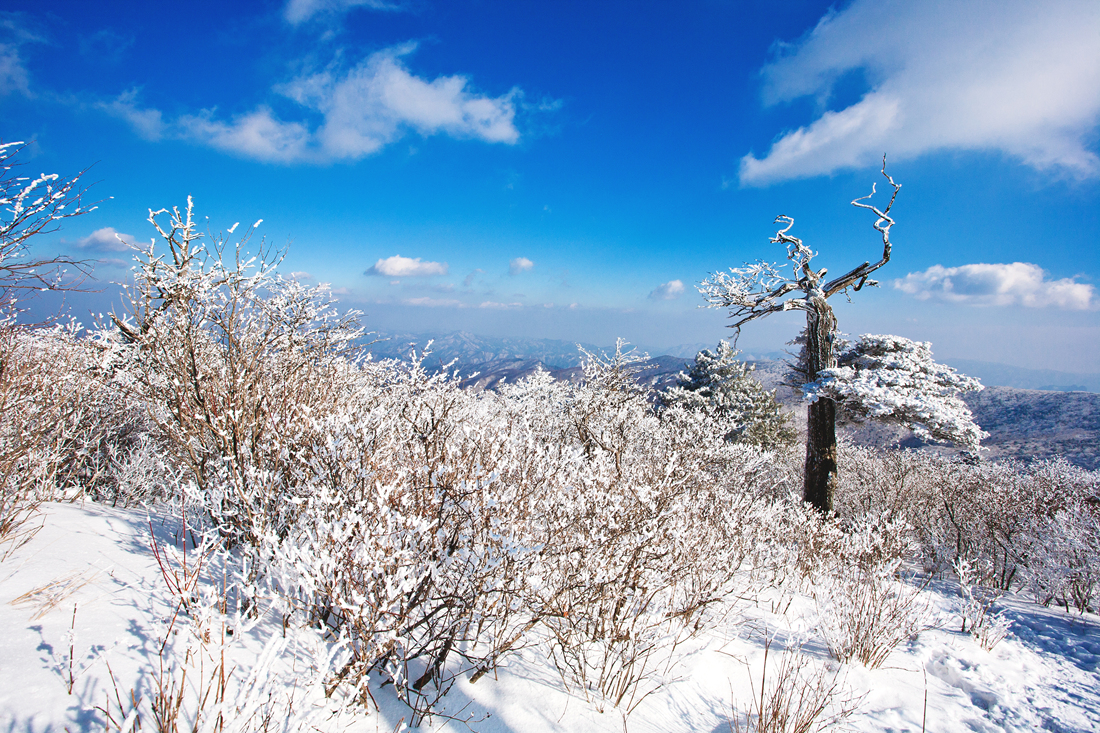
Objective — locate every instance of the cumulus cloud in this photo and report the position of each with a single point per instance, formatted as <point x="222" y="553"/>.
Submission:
<point x="1018" y="283"/>
<point x="361" y="110"/>
<point x="398" y="266"/>
<point x="1015" y="76"/>
<point x="668" y="291"/>
<point x="519" y="264"/>
<point x="257" y="134"/>
<point x="106" y="240"/>
<point x="299" y="11"/>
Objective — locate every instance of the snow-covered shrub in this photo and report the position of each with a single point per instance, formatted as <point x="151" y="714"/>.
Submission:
<point x="893" y="484"/>
<point x="1064" y="556"/>
<point x="978" y="618"/>
<point x="411" y="539"/>
<point x="52" y="429"/>
<point x="233" y="363"/>
<point x="644" y="535"/>
<point x="721" y="387"/>
<point x="1012" y="524"/>
<point x="865" y="604"/>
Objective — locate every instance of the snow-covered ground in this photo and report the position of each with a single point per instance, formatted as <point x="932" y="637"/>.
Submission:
<point x="84" y="613"/>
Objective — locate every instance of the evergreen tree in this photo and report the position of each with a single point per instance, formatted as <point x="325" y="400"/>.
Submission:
<point x="721" y="386"/>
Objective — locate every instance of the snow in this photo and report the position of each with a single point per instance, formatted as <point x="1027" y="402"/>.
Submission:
<point x="1043" y="675"/>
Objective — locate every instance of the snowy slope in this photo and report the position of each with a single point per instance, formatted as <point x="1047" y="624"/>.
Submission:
<point x="1043" y="675"/>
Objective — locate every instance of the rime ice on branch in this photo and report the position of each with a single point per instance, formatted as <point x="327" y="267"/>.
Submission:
<point x="758" y="290"/>
<point x="30" y="206"/>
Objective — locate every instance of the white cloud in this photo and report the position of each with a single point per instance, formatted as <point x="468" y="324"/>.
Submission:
<point x="398" y="266"/>
<point x="1018" y="283"/>
<point x="13" y="74"/>
<point x="361" y="110"/>
<point x="257" y="134"/>
<point x="519" y="264"/>
<point x="1015" y="76"/>
<point x="500" y="306"/>
<point x="15" y="34"/>
<point x="106" y="240"/>
<point x="299" y="11"/>
<point x="668" y="291"/>
<point x="434" y="302"/>
<point x="147" y="123"/>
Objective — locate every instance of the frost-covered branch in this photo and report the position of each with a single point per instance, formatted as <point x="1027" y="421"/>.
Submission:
<point x="859" y="276"/>
<point x="31" y="206"/>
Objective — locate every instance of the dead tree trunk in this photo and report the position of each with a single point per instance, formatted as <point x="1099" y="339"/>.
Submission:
<point x="819" y="480"/>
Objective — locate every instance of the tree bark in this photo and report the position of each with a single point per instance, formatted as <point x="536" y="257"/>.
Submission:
<point x="819" y="481"/>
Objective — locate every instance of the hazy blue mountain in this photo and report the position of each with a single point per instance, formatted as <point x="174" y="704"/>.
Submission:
<point x="468" y="350"/>
<point x="1009" y="376"/>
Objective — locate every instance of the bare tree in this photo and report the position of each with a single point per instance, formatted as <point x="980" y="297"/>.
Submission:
<point x="761" y="289"/>
<point x="30" y="206"/>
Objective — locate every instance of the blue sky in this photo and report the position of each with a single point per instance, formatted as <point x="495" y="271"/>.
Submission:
<point x="572" y="169"/>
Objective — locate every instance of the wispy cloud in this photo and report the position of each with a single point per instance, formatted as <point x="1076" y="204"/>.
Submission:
<point x="106" y="46"/>
<point x="299" y="11"/>
<point x="468" y="281"/>
<point x="1018" y="283"/>
<point x="434" y="302"/>
<point x="147" y="123"/>
<point x="1009" y="75"/>
<point x="14" y="34"/>
<point x="668" y="291"/>
<point x="13" y="74"/>
<point x="398" y="266"/>
<point x="361" y="111"/>
<point x="519" y="264"/>
<point x="106" y="240"/>
<point x="500" y="306"/>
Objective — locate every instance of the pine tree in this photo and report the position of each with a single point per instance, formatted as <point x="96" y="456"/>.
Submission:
<point x="722" y="386"/>
<point x="760" y="289"/>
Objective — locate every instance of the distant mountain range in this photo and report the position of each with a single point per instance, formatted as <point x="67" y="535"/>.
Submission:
<point x="1002" y="375"/>
<point x="474" y="352"/>
<point x="1029" y="413"/>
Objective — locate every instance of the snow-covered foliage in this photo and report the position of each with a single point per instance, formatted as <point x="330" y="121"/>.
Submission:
<point x="1024" y="526"/>
<point x="721" y="387"/>
<point x="234" y="364"/>
<point x="895" y="380"/>
<point x="423" y="533"/>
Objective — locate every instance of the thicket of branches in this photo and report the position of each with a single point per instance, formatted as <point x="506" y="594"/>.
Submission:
<point x="429" y="531"/>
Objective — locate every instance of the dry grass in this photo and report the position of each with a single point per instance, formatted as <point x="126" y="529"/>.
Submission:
<point x="46" y="598"/>
<point x="795" y="695"/>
